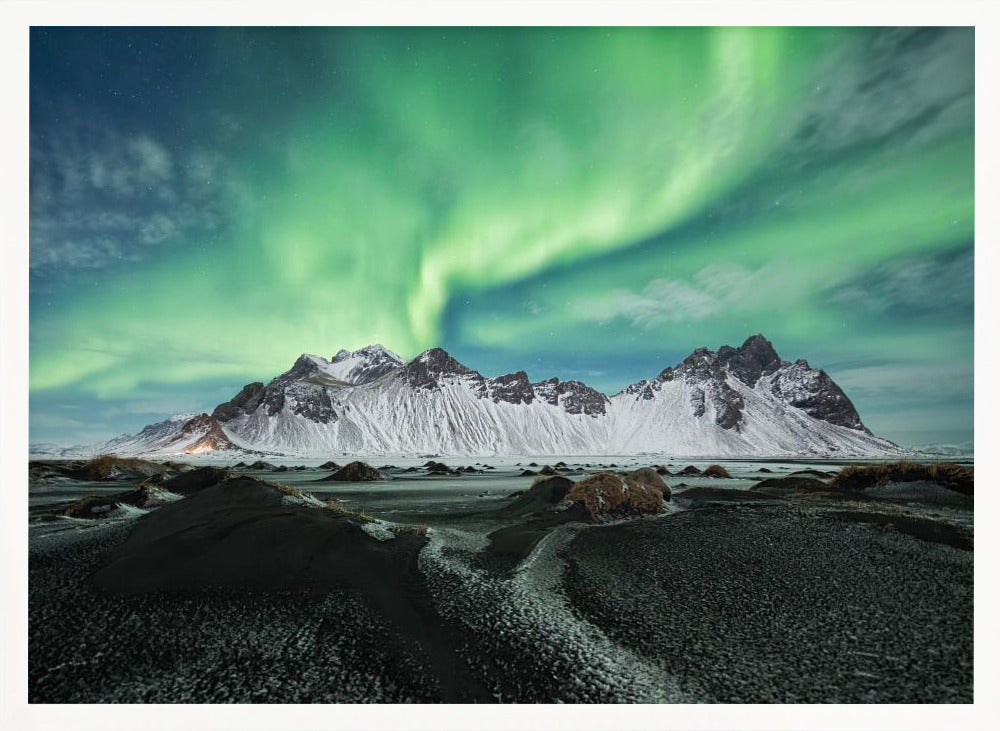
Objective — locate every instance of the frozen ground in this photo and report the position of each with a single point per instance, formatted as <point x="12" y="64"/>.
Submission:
<point x="722" y="599"/>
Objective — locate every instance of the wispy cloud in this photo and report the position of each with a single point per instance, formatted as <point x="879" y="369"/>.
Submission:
<point x="100" y="195"/>
<point x="914" y="85"/>
<point x="714" y="290"/>
<point x="940" y="284"/>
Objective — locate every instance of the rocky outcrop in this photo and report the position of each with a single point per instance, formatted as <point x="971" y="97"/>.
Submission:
<point x="574" y="396"/>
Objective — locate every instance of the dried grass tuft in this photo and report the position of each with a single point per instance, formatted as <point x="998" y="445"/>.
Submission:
<point x="947" y="474"/>
<point x="608" y="494"/>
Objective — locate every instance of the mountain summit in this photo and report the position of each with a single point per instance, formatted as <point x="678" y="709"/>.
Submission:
<point x="743" y="401"/>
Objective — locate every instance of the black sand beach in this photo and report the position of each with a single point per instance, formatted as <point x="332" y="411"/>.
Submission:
<point x="730" y="596"/>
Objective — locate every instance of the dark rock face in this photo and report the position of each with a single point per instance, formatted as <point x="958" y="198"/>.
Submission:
<point x="644" y="390"/>
<point x="755" y="358"/>
<point x="374" y="362"/>
<point x="212" y="436"/>
<point x="245" y="402"/>
<point x="426" y="371"/>
<point x="354" y="472"/>
<point x="514" y="388"/>
<point x="704" y="370"/>
<point x="814" y="392"/>
<point x="303" y="383"/>
<point x="574" y="396"/>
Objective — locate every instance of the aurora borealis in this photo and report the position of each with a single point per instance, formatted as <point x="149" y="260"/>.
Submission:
<point x="206" y="204"/>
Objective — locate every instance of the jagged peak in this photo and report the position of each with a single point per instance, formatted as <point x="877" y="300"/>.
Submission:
<point x="441" y="359"/>
<point x="375" y="350"/>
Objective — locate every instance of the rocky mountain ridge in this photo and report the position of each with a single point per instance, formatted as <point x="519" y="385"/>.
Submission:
<point x="734" y="401"/>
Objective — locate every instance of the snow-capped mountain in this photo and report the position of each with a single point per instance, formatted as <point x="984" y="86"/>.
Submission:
<point x="733" y="402"/>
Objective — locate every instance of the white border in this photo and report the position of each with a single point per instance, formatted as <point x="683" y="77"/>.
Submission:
<point x="15" y="18"/>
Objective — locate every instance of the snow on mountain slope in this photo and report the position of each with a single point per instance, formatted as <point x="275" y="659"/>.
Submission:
<point x="363" y="365"/>
<point x="180" y="434"/>
<point x="734" y="402"/>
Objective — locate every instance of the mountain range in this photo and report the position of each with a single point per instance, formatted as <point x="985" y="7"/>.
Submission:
<point x="743" y="401"/>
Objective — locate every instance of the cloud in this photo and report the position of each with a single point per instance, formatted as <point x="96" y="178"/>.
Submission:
<point x="938" y="285"/>
<point x="100" y="195"/>
<point x="158" y="228"/>
<point x="908" y="382"/>
<point x="915" y="85"/>
<point x="714" y="290"/>
<point x="93" y="253"/>
<point x="154" y="162"/>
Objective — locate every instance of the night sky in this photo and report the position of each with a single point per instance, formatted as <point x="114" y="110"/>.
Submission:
<point x="205" y="205"/>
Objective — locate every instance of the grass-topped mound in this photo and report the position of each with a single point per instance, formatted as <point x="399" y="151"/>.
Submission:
<point x="605" y="494"/>
<point x="110" y="467"/>
<point x="717" y="471"/>
<point x="946" y="474"/>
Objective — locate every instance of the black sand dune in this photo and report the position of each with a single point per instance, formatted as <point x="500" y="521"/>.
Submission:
<point x="240" y="533"/>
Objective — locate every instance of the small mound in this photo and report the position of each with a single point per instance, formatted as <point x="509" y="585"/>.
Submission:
<point x="651" y="477"/>
<point x="261" y="466"/>
<point x="946" y="474"/>
<point x="765" y="469"/>
<point x="819" y="475"/>
<point x="330" y="465"/>
<point x="689" y="470"/>
<point x="548" y="471"/>
<point x="920" y="492"/>
<point x="608" y="495"/>
<point x="790" y="484"/>
<point x="529" y="473"/>
<point x="110" y="467"/>
<point x="93" y="507"/>
<point x="717" y="471"/>
<point x="196" y="480"/>
<point x="354" y="472"/>
<point x="543" y="495"/>
<point x="440" y="468"/>
<point x="661" y="470"/>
